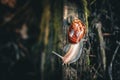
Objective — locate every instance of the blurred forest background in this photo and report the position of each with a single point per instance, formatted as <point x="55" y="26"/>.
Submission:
<point x="31" y="29"/>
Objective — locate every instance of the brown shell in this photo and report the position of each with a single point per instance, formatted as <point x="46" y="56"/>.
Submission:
<point x="76" y="31"/>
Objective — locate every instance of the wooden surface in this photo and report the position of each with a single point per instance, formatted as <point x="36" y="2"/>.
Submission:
<point x="74" y="70"/>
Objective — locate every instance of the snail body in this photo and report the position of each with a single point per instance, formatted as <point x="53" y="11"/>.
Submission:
<point x="73" y="54"/>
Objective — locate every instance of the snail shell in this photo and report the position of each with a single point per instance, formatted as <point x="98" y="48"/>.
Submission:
<point x="76" y="31"/>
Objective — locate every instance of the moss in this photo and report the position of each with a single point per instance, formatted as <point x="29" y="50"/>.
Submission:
<point x="86" y="12"/>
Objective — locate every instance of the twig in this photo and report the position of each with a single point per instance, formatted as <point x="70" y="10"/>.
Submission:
<point x="102" y="44"/>
<point x="111" y="63"/>
<point x="96" y="71"/>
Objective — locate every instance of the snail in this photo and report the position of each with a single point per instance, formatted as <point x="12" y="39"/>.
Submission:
<point x="76" y="33"/>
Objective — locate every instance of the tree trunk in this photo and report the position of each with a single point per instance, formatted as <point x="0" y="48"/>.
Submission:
<point x="77" y="70"/>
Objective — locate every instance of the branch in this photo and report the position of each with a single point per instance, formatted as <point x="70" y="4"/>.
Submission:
<point x="111" y="63"/>
<point x="102" y="44"/>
